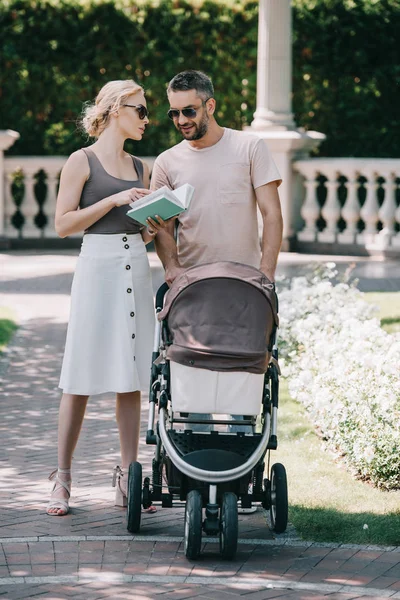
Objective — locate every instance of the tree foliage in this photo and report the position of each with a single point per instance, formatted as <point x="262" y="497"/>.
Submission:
<point x="346" y="57"/>
<point x="56" y="55"/>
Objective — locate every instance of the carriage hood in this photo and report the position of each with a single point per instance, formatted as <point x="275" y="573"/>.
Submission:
<point x="221" y="316"/>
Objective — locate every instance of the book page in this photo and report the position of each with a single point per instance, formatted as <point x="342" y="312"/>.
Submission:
<point x="184" y="194"/>
<point x="163" y="192"/>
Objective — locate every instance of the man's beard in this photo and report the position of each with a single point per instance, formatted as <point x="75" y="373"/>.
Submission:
<point x="200" y="130"/>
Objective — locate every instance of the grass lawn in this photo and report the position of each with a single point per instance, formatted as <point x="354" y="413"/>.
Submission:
<point x="7" y="326"/>
<point x="326" y="503"/>
<point x="389" y="309"/>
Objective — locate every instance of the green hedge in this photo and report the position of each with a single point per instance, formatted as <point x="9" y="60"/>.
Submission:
<point x="57" y="54"/>
<point x="346" y="57"/>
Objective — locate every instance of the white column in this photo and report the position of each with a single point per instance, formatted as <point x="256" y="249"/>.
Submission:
<point x="274" y="66"/>
<point x="7" y="139"/>
<point x="273" y="118"/>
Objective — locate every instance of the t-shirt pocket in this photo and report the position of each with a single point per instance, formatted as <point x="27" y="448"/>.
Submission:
<point x="234" y="183"/>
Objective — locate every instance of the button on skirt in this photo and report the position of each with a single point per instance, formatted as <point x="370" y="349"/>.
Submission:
<point x="111" y="327"/>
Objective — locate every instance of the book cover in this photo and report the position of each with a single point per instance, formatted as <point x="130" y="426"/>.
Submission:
<point x="163" y="202"/>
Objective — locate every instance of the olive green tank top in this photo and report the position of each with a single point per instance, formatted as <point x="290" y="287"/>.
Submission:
<point x="101" y="184"/>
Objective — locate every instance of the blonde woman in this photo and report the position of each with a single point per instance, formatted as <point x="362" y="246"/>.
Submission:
<point x="110" y="331"/>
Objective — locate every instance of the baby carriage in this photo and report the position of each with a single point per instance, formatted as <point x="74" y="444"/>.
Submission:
<point x="215" y="356"/>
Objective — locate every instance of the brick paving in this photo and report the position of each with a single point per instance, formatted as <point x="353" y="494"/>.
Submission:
<point x="89" y="553"/>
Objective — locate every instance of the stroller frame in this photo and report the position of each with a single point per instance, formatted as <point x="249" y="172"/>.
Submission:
<point x="197" y="484"/>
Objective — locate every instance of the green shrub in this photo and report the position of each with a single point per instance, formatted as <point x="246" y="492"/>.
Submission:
<point x="7" y="328"/>
<point x="343" y="367"/>
<point x="55" y="55"/>
<point x="346" y="57"/>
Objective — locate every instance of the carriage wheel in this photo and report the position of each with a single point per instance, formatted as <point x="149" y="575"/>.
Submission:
<point x="193" y="524"/>
<point x="146" y="494"/>
<point x="266" y="501"/>
<point x="228" y="536"/>
<point x="134" y="497"/>
<point x="279" y="498"/>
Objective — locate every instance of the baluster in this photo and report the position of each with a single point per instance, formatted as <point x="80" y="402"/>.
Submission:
<point x="387" y="211"/>
<point x="29" y="206"/>
<point x="9" y="208"/>
<point x="350" y="211"/>
<point x="310" y="210"/>
<point x="396" y="238"/>
<point x="369" y="212"/>
<point x="331" y="210"/>
<point x="49" y="206"/>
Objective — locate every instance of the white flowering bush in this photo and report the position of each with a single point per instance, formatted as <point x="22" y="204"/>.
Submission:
<point x="345" y="369"/>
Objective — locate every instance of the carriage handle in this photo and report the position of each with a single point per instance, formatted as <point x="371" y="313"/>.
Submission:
<point x="162" y="290"/>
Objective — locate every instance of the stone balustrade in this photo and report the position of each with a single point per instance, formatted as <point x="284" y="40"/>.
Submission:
<point x="30" y="192"/>
<point x="351" y="201"/>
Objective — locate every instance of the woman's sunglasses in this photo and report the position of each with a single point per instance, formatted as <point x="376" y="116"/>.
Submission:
<point x="190" y="113"/>
<point x="141" y="110"/>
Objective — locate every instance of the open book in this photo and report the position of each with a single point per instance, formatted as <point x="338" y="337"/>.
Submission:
<point x="163" y="202"/>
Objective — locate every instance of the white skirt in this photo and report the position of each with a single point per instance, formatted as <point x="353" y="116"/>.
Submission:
<point x="111" y="326"/>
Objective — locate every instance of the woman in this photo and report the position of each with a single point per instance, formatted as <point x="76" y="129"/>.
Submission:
<point x="110" y="332"/>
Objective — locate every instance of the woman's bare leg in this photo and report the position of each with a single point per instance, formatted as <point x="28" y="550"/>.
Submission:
<point x="70" y="418"/>
<point x="128" y="419"/>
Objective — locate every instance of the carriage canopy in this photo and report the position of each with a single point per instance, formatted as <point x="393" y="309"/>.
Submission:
<point x="221" y="317"/>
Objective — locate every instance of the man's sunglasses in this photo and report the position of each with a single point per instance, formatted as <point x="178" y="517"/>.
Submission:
<point x="141" y="110"/>
<point x="190" y="113"/>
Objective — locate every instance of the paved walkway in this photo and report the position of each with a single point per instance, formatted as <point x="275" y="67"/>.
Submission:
<point x="89" y="554"/>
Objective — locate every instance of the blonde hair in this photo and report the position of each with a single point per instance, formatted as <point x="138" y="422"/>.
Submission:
<point x="110" y="98"/>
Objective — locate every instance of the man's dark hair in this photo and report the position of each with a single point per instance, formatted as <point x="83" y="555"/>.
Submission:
<point x="192" y="80"/>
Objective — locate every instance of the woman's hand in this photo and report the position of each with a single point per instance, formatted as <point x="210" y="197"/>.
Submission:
<point x="128" y="196"/>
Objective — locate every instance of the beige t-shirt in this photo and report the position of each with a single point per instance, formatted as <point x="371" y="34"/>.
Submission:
<point x="221" y="222"/>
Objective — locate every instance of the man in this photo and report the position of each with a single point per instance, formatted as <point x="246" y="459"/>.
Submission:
<point x="232" y="173"/>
